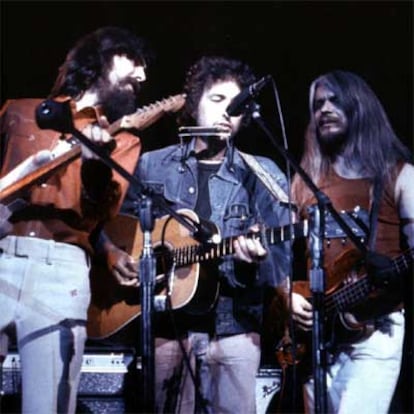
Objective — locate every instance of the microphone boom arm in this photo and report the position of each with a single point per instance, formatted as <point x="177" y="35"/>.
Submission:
<point x="55" y="115"/>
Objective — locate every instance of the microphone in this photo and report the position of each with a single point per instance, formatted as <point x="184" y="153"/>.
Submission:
<point x="239" y="103"/>
<point x="51" y="114"/>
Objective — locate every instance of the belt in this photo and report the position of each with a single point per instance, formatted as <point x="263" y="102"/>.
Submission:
<point x="42" y="249"/>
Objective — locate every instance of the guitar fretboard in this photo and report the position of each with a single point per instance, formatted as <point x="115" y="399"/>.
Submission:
<point x="354" y="293"/>
<point x="403" y="262"/>
<point x="148" y="114"/>
<point x="187" y="255"/>
<point x="349" y="295"/>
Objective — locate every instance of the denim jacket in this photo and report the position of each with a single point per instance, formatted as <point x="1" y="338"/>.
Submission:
<point x="238" y="200"/>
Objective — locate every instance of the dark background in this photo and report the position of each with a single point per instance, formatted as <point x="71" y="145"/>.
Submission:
<point x="294" y="41"/>
<point x="291" y="40"/>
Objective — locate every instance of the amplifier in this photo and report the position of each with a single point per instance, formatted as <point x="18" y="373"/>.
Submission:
<point x="268" y="384"/>
<point x="102" y="382"/>
<point x="101" y="374"/>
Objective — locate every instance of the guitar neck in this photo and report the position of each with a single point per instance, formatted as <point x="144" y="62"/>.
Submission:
<point x="402" y="263"/>
<point x="141" y="119"/>
<point x="41" y="173"/>
<point x="204" y="252"/>
<point x="351" y="294"/>
<point x="147" y="115"/>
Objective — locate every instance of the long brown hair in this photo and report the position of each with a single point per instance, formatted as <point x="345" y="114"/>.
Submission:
<point x="370" y="140"/>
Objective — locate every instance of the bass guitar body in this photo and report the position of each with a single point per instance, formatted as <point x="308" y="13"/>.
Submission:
<point x="346" y="298"/>
<point x="353" y="301"/>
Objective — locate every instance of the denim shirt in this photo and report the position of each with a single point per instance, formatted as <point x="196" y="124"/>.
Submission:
<point x="238" y="200"/>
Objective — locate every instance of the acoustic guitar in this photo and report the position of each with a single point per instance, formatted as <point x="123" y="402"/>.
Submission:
<point x="179" y="274"/>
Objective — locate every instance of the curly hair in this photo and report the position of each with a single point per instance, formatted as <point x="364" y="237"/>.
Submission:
<point x="91" y="56"/>
<point x="203" y="74"/>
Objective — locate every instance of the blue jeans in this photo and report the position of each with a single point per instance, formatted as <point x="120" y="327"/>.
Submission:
<point x="44" y="292"/>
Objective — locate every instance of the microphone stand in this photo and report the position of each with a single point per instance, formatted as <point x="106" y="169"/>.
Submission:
<point x="58" y="116"/>
<point x="4" y="345"/>
<point x="147" y="272"/>
<point x="317" y="287"/>
<point x="317" y="274"/>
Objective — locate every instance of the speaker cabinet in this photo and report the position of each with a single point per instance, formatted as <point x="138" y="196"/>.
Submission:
<point x="108" y="377"/>
<point x="101" y="386"/>
<point x="268" y="381"/>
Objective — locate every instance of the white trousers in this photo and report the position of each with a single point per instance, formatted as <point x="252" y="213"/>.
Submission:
<point x="224" y="370"/>
<point x="363" y="377"/>
<point x="44" y="293"/>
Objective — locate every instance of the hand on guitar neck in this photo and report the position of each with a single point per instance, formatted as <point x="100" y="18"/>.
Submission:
<point x="179" y="258"/>
<point x="40" y="166"/>
<point x="98" y="134"/>
<point x="249" y="249"/>
<point x="124" y="267"/>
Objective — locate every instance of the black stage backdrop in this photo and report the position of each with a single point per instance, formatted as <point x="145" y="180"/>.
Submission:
<point x="294" y="41"/>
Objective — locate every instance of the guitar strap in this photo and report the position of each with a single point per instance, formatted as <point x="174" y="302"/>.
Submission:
<point x="275" y="189"/>
<point x="373" y="217"/>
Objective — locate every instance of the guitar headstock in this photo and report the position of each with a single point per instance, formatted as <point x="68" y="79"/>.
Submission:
<point x="148" y="114"/>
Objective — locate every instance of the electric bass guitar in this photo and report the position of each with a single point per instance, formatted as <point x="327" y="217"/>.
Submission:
<point x="179" y="274"/>
<point x="352" y="304"/>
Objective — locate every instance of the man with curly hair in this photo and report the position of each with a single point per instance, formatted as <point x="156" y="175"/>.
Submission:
<point x="207" y="358"/>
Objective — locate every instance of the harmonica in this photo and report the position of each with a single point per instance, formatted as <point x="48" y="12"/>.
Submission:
<point x="195" y="131"/>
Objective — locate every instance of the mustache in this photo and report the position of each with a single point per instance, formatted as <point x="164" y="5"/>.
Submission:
<point x="327" y="118"/>
<point x="136" y="86"/>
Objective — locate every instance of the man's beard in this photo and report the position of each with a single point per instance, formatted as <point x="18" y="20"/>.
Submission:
<point x="332" y="145"/>
<point x="116" y="102"/>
